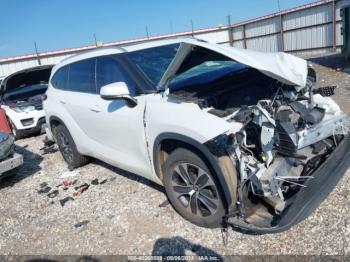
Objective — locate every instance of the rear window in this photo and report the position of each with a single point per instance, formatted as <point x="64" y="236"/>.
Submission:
<point x="59" y="79"/>
<point x="81" y="76"/>
<point x="153" y="62"/>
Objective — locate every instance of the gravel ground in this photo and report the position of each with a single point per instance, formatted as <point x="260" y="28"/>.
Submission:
<point x="126" y="214"/>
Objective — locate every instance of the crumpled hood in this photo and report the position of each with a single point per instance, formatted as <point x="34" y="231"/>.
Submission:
<point x="286" y="68"/>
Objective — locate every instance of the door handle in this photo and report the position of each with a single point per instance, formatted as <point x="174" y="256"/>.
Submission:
<point x="95" y="109"/>
<point x="63" y="102"/>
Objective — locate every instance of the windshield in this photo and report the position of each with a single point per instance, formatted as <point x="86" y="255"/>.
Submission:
<point x="204" y="73"/>
<point x="153" y="62"/>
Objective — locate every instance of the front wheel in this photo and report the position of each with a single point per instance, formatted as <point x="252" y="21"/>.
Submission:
<point x="18" y="134"/>
<point x="192" y="189"/>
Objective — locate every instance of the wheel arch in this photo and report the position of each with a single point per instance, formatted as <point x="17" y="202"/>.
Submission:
<point x="54" y="121"/>
<point x="214" y="163"/>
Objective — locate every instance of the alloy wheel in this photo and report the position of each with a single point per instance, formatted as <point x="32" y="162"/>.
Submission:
<point x="65" y="147"/>
<point x="195" y="189"/>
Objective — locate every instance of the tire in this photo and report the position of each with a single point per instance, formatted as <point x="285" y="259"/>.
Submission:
<point x="18" y="134"/>
<point x="68" y="148"/>
<point x="197" y="200"/>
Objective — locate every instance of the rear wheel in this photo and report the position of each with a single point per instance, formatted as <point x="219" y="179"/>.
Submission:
<point x="192" y="190"/>
<point x="68" y="148"/>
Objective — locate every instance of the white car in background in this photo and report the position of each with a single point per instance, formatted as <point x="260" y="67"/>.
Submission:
<point x="22" y="94"/>
<point x="236" y="137"/>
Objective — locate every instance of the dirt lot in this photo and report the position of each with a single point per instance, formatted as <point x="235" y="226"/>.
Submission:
<point x="126" y="214"/>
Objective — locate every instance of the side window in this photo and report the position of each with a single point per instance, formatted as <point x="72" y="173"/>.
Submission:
<point x="108" y="71"/>
<point x="59" y="79"/>
<point x="154" y="62"/>
<point x="81" y="76"/>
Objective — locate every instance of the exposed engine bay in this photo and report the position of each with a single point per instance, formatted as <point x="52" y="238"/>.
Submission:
<point x="286" y="133"/>
<point x="25" y="88"/>
<point x="22" y="95"/>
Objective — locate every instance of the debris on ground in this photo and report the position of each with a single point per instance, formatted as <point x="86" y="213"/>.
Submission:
<point x="67" y="183"/>
<point x="65" y="200"/>
<point x="49" y="149"/>
<point x="44" y="188"/>
<point x="53" y="194"/>
<point x="94" y="182"/>
<point x="69" y="174"/>
<point x="82" y="223"/>
<point x="81" y="189"/>
<point x="103" y="181"/>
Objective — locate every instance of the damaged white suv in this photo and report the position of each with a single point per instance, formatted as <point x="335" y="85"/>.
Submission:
<point x="237" y="137"/>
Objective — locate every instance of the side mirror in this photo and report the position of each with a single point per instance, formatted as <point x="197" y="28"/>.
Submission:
<point x="117" y="90"/>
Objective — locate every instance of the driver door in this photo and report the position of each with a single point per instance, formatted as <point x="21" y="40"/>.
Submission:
<point x="115" y="126"/>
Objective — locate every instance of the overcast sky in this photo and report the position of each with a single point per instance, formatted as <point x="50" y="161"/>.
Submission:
<point x="71" y="23"/>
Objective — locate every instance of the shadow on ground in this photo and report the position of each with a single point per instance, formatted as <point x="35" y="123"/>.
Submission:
<point x="31" y="165"/>
<point x="178" y="246"/>
<point x="130" y="176"/>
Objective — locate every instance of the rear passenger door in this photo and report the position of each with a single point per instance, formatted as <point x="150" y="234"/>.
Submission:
<point x="81" y="92"/>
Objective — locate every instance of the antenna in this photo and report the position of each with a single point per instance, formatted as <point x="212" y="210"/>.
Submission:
<point x="95" y="39"/>
<point x="192" y="28"/>
<point x="37" y="53"/>
<point x="147" y="33"/>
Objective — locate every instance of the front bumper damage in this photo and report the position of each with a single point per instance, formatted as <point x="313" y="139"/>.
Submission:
<point x="303" y="203"/>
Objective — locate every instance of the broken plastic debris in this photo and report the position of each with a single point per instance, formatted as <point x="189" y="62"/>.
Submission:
<point x="65" y="200"/>
<point x="82" y="223"/>
<point x="94" y="182"/>
<point x="69" y="174"/>
<point x="103" y="181"/>
<point x="53" y="194"/>
<point x="69" y="183"/>
<point x="44" y="188"/>
<point x="81" y="189"/>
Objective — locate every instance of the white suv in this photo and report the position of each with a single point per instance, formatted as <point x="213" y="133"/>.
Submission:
<point x="236" y="137"/>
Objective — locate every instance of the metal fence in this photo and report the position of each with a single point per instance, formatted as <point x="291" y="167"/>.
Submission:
<point x="305" y="30"/>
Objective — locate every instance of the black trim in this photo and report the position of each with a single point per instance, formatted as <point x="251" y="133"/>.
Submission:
<point x="203" y="150"/>
<point x="52" y="118"/>
<point x="143" y="86"/>
<point x="303" y="203"/>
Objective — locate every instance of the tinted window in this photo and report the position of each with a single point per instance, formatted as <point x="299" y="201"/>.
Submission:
<point x="108" y="71"/>
<point x="205" y="73"/>
<point x="81" y="76"/>
<point x="59" y="79"/>
<point x="153" y="62"/>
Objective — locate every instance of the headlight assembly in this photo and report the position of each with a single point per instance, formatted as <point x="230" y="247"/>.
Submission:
<point x="21" y="109"/>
